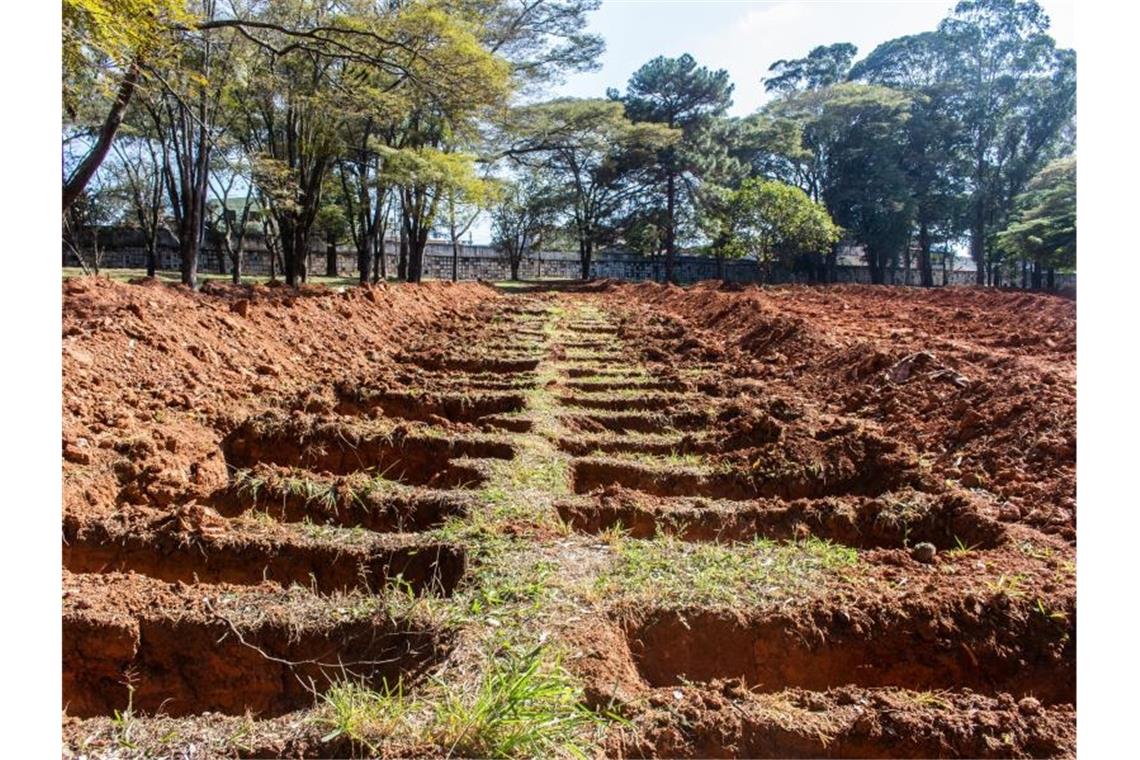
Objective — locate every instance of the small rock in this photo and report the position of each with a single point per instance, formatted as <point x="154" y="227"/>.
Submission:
<point x="240" y="307"/>
<point x="1029" y="706"/>
<point x="924" y="552"/>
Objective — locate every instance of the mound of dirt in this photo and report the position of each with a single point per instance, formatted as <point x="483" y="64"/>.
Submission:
<point x="980" y="383"/>
<point x="155" y="376"/>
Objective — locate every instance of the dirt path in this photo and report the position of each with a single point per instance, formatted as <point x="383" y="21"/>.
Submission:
<point x="564" y="533"/>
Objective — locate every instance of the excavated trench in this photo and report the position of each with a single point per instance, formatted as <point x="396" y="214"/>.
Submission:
<point x="421" y="406"/>
<point x="180" y="667"/>
<point x="591" y="473"/>
<point x="324" y="566"/>
<point x="389" y="511"/>
<point x="921" y="648"/>
<point x="413" y="459"/>
<point x="967" y="647"/>
<point x="856" y="522"/>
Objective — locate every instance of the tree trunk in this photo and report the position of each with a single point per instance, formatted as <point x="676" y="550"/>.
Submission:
<point x="190" y="242"/>
<point x="235" y="269"/>
<point x="1036" y="277"/>
<point x="151" y="255"/>
<point x="416" y="255"/>
<point x="330" y="260"/>
<point x="720" y="271"/>
<point x="83" y="173"/>
<point x="585" y="253"/>
<point x="670" y="227"/>
<point x="289" y="258"/>
<point x="926" y="274"/>
<point x="1051" y="279"/>
<point x="380" y="264"/>
<point x="364" y="257"/>
<point x="402" y="261"/>
<point x="455" y="258"/>
<point x="978" y="244"/>
<point x="875" y="268"/>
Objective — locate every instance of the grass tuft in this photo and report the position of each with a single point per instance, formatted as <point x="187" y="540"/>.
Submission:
<point x="666" y="571"/>
<point x="524" y="705"/>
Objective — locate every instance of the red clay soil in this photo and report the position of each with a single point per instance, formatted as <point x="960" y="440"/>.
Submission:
<point x="155" y="375"/>
<point x="982" y="381"/>
<point x="245" y="468"/>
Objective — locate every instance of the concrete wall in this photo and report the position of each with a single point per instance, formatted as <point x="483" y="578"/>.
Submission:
<point x="484" y="262"/>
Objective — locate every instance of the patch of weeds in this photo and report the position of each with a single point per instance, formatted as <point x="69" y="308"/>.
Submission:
<point x="668" y="571"/>
<point x="363" y="715"/>
<point x="961" y="549"/>
<point x="320" y="532"/>
<point x="615" y="535"/>
<point x="1030" y="549"/>
<point x="523" y="706"/>
<point x="931" y="699"/>
<point x="1048" y="614"/>
<point x="672" y="459"/>
<point x="248" y="484"/>
<point x="1007" y="585"/>
<point x="123" y="723"/>
<point x="507" y="588"/>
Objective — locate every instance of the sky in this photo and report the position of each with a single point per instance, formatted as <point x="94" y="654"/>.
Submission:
<point x="747" y="36"/>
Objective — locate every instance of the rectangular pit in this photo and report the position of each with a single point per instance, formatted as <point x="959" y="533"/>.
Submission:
<point x="920" y="648"/>
<point x="411" y="458"/>
<point x="423" y="407"/>
<point x="191" y="665"/>
<point x="325" y="566"/>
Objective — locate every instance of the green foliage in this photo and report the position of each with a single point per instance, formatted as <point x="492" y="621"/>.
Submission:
<point x="676" y="93"/>
<point x="1044" y="227"/>
<point x="102" y="37"/>
<point x="670" y="572"/>
<point x="592" y="152"/>
<point x="770" y="220"/>
<point x="523" y="705"/>
<point x="523" y="216"/>
<point x="843" y="145"/>
<point x="824" y="66"/>
<point x="1013" y="93"/>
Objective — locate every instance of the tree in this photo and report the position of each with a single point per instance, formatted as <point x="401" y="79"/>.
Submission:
<point x="228" y="221"/>
<point x="600" y="158"/>
<point x="137" y="172"/>
<point x="187" y="111"/>
<point x="522" y="216"/>
<point x="868" y="191"/>
<point x="463" y="204"/>
<point x="772" y="221"/>
<point x="427" y="178"/>
<point x="677" y="93"/>
<point x="427" y="78"/>
<point x="824" y="66"/>
<point x="106" y="44"/>
<point x="843" y="146"/>
<point x="1012" y="92"/>
<point x="540" y="38"/>
<point x="932" y="161"/>
<point x="1044" y="226"/>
